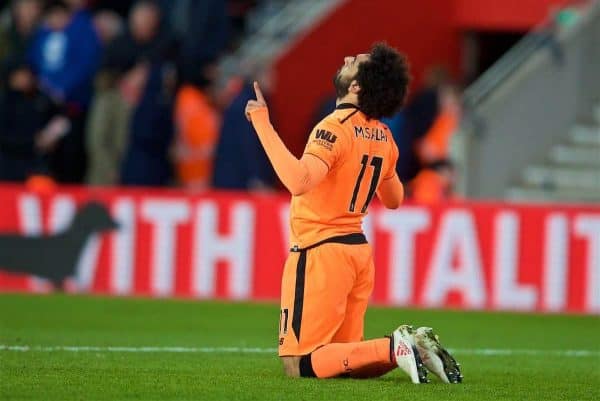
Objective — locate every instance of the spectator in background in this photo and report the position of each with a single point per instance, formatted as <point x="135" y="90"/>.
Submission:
<point x="197" y="124"/>
<point x="77" y="5"/>
<point x="405" y="144"/>
<point x="121" y="7"/>
<point x="65" y="54"/>
<point x="434" y="183"/>
<point x="15" y="38"/>
<point x="240" y="162"/>
<point x="396" y="125"/>
<point x="417" y="118"/>
<point x="435" y="144"/>
<point x="108" y="26"/>
<point x="202" y="29"/>
<point x="145" y="40"/>
<point x="238" y="12"/>
<point x="108" y="119"/>
<point x="146" y="160"/>
<point x="325" y="107"/>
<point x="30" y="125"/>
<point x="119" y="87"/>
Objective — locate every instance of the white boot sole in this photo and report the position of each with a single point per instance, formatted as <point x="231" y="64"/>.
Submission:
<point x="408" y="358"/>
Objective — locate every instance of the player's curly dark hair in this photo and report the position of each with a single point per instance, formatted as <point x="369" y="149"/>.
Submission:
<point x="383" y="81"/>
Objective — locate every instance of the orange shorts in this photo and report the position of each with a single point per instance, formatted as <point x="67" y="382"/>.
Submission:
<point x="324" y="295"/>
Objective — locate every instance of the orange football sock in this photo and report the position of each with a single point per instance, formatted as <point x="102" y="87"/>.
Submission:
<point x="360" y="360"/>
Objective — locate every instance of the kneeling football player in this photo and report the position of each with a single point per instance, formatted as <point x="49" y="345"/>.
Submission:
<point x="328" y="277"/>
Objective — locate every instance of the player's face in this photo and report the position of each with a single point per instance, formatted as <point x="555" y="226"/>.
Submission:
<point x="345" y="75"/>
<point x="351" y="63"/>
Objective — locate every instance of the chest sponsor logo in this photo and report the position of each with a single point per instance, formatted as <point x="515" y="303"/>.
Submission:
<point x="324" y="139"/>
<point x="326" y="136"/>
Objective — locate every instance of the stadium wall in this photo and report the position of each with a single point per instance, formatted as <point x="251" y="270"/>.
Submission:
<point x="427" y="31"/>
<point x="506" y="15"/>
<point x="304" y="74"/>
<point x="232" y="246"/>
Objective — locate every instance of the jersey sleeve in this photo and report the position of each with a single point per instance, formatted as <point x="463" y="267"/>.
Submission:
<point x="393" y="158"/>
<point x="327" y="142"/>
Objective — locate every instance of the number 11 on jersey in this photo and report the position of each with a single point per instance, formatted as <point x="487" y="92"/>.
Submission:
<point x="376" y="163"/>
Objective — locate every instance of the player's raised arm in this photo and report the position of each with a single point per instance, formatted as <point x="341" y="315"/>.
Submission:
<point x="298" y="176"/>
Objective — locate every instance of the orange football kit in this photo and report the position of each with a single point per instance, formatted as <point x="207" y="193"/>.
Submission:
<point x="328" y="276"/>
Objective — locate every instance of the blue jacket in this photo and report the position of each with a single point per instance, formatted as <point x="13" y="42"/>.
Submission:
<point x="66" y="61"/>
<point x="240" y="158"/>
<point x="146" y="161"/>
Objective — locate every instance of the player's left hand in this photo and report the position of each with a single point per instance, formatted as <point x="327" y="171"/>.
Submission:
<point x="255" y="104"/>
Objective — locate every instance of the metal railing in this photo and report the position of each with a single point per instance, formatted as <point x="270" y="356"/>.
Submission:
<point x="508" y="64"/>
<point x="274" y="31"/>
<point x="527" y="102"/>
<point x="545" y="36"/>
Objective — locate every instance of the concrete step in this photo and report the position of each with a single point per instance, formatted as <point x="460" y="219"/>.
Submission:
<point x="528" y="194"/>
<point x="571" y="172"/>
<point x="550" y="177"/>
<point x="596" y="113"/>
<point x="583" y="135"/>
<point x="576" y="155"/>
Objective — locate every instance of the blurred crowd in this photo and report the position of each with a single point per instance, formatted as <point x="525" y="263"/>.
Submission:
<point x="128" y="93"/>
<point x="125" y="93"/>
<point x="423" y="131"/>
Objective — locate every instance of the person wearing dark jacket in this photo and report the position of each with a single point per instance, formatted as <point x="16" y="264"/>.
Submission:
<point x="65" y="54"/>
<point x="417" y="118"/>
<point x="202" y="28"/>
<point x="144" y="40"/>
<point x="146" y="160"/>
<point x="240" y="161"/>
<point x="118" y="89"/>
<point x="29" y="126"/>
<point x="15" y="39"/>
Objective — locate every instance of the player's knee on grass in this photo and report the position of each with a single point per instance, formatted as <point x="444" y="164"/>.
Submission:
<point x="298" y="366"/>
<point x="291" y="365"/>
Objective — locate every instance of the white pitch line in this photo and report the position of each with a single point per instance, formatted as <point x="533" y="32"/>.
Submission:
<point x="528" y="352"/>
<point x="189" y="350"/>
<point x="256" y="350"/>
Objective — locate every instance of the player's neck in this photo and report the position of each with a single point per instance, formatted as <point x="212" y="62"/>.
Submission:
<point x="349" y="98"/>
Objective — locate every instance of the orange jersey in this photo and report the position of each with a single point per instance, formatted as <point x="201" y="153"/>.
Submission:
<point x="360" y="153"/>
<point x="428" y="187"/>
<point x="197" y="123"/>
<point x="436" y="143"/>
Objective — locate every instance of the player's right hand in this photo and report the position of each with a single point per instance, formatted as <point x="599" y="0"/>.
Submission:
<point x="259" y="103"/>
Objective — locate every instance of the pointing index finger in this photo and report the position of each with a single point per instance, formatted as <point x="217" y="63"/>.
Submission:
<point x="258" y="92"/>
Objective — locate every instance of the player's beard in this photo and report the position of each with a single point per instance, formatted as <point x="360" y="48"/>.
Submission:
<point x="341" y="85"/>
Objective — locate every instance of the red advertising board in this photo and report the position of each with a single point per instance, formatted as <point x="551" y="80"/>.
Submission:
<point x="497" y="256"/>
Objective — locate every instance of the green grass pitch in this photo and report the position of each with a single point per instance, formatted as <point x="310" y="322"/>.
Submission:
<point x="532" y="369"/>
